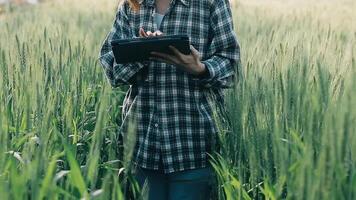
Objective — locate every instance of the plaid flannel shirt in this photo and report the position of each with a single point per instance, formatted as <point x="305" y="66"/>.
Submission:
<point x="172" y="108"/>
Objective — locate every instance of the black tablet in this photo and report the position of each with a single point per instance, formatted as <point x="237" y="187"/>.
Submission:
<point x="139" y="49"/>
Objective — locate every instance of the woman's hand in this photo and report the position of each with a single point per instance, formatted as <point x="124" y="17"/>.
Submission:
<point x="149" y="33"/>
<point x="190" y="63"/>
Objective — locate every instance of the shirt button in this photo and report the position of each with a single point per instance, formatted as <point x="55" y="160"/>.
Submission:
<point x="156" y="125"/>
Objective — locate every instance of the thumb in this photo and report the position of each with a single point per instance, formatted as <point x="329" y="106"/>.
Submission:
<point x="195" y="52"/>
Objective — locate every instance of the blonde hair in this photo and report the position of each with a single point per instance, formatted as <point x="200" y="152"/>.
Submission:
<point x="134" y="4"/>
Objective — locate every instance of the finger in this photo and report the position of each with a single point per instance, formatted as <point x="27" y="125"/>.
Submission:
<point x="161" y="55"/>
<point x="149" y="33"/>
<point x="166" y="56"/>
<point x="195" y="52"/>
<point x="162" y="60"/>
<point x="159" y="32"/>
<point x="176" y="52"/>
<point x="143" y="33"/>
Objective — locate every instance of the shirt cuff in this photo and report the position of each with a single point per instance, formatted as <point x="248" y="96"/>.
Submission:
<point x="206" y="77"/>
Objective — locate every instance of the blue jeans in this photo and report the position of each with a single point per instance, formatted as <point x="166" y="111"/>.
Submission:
<point x="192" y="184"/>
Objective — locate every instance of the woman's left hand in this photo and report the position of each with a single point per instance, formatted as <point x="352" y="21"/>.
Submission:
<point x="190" y="63"/>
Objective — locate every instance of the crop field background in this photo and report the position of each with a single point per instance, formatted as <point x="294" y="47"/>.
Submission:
<point x="289" y="131"/>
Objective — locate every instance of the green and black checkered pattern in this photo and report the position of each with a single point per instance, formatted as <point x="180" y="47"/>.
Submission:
<point x="172" y="108"/>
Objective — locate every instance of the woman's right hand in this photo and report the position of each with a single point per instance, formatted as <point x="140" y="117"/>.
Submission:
<point x="149" y="33"/>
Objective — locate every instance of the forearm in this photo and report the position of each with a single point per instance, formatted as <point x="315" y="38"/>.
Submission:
<point x="121" y="74"/>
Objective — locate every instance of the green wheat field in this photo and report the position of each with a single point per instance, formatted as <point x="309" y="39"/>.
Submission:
<point x="289" y="131"/>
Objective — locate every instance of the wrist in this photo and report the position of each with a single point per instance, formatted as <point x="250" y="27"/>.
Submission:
<point x="202" y="68"/>
<point x="203" y="72"/>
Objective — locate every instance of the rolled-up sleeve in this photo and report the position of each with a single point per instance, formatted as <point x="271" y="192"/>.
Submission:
<point x="224" y="49"/>
<point x="119" y="74"/>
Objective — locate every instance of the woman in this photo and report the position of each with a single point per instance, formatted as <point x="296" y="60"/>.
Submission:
<point x="169" y="95"/>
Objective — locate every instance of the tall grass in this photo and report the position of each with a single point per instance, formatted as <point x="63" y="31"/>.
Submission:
<point x="58" y="116"/>
<point x="290" y="131"/>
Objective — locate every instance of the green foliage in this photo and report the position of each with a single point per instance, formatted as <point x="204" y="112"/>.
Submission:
<point x="58" y="119"/>
<point x="293" y="112"/>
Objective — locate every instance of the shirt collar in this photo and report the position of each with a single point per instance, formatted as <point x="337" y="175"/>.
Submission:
<point x="151" y="2"/>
